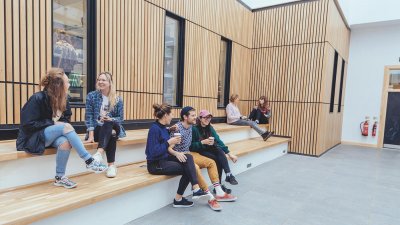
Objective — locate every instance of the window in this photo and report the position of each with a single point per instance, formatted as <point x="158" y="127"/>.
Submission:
<point x="69" y="44"/>
<point x="71" y="50"/>
<point x="224" y="72"/>
<point x="341" y="85"/>
<point x="173" y="60"/>
<point x="332" y="102"/>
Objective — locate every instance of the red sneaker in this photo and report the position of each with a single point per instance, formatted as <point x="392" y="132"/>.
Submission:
<point x="226" y="198"/>
<point x="214" y="205"/>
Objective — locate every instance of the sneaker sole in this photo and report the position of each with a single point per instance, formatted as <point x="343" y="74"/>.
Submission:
<point x="182" y="206"/>
<point x="227" y="200"/>
<point x="198" y="197"/>
<point x="231" y="183"/>
<point x="94" y="171"/>
<point x="216" y="209"/>
<point x="67" y="187"/>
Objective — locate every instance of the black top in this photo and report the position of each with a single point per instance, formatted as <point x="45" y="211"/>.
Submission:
<point x="36" y="115"/>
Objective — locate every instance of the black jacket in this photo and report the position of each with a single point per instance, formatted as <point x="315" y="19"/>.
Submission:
<point x="36" y="115"/>
<point x="256" y="114"/>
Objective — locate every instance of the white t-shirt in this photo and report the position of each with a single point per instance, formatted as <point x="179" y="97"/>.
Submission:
<point x="105" y="106"/>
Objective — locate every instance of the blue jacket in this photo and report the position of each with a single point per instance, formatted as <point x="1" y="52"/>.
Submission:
<point x="93" y="104"/>
<point x="157" y="142"/>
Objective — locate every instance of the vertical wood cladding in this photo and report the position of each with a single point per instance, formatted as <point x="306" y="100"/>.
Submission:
<point x="284" y="52"/>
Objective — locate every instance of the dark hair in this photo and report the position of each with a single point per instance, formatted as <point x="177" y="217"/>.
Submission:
<point x="233" y="97"/>
<point x="186" y="112"/>
<point x="53" y="84"/>
<point x="161" y="110"/>
<point x="205" y="132"/>
<point x="265" y="105"/>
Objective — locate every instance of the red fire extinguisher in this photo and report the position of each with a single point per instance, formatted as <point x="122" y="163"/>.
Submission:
<point x="364" y="128"/>
<point x="374" y="127"/>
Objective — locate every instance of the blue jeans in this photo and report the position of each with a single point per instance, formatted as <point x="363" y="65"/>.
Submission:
<point x="58" y="134"/>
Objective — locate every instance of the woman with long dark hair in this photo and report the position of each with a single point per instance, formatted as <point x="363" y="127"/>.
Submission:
<point x="45" y="121"/>
<point x="206" y="142"/>
<point x="261" y="112"/>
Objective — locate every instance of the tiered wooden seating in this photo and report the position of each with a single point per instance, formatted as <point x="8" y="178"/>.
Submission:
<point x="30" y="203"/>
<point x="9" y="152"/>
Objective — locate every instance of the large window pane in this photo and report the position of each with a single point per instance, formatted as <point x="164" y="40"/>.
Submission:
<point x="171" y="60"/>
<point x="224" y="72"/>
<point x="69" y="44"/>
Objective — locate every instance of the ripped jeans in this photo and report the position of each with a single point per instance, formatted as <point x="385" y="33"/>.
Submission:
<point x="62" y="137"/>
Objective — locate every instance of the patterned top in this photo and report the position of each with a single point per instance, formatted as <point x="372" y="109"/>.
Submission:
<point x="94" y="101"/>
<point x="186" y="138"/>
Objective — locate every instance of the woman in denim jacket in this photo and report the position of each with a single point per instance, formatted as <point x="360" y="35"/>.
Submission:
<point x="104" y="115"/>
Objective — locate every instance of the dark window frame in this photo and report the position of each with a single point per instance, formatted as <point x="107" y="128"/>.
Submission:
<point x="341" y="86"/>
<point x="332" y="101"/>
<point x="91" y="47"/>
<point x="181" y="58"/>
<point x="227" y="72"/>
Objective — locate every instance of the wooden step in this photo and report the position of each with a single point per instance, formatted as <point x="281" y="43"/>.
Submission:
<point x="31" y="203"/>
<point x="8" y="150"/>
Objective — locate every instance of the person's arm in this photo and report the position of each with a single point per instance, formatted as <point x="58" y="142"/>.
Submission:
<point x="30" y="116"/>
<point x="179" y="155"/>
<point x="155" y="146"/>
<point x="218" y="141"/>
<point x="89" y="113"/>
<point x="196" y="145"/>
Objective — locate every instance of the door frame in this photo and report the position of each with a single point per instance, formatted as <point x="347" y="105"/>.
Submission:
<point x="385" y="91"/>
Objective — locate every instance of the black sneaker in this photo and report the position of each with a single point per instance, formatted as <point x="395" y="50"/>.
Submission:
<point x="267" y="135"/>
<point x="198" y="194"/>
<point x="224" y="188"/>
<point x="184" y="203"/>
<point x="231" y="179"/>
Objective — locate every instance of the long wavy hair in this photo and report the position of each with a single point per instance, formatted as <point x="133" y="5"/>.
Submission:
<point x="112" y="95"/>
<point x="265" y="105"/>
<point x="54" y="85"/>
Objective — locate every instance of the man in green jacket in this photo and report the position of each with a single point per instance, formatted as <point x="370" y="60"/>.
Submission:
<point x="206" y="142"/>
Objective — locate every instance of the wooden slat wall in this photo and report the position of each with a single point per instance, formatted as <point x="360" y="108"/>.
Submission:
<point x="337" y="34"/>
<point x="240" y="77"/>
<point x="292" y="64"/>
<point x="227" y="18"/>
<point x="285" y="53"/>
<point x="293" y="24"/>
<point x="131" y="47"/>
<point x="25" y="53"/>
<point x="138" y="66"/>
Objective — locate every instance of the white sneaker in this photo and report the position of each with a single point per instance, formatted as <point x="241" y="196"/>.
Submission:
<point x="111" y="171"/>
<point x="98" y="157"/>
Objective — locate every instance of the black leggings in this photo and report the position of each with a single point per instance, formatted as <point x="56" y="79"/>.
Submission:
<point x="218" y="155"/>
<point x="172" y="166"/>
<point x="106" y="139"/>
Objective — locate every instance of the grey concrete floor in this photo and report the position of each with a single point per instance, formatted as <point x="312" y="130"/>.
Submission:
<point x="348" y="185"/>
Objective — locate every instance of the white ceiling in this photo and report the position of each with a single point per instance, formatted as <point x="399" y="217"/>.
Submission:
<point x="357" y="12"/>
<point x="255" y="4"/>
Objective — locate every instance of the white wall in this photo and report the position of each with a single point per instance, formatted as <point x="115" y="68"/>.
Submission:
<point x="371" y="48"/>
<point x="370" y="11"/>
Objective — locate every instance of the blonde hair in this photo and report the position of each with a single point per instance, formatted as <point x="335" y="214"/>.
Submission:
<point x="54" y="85"/>
<point x="112" y="95"/>
<point x="233" y="97"/>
